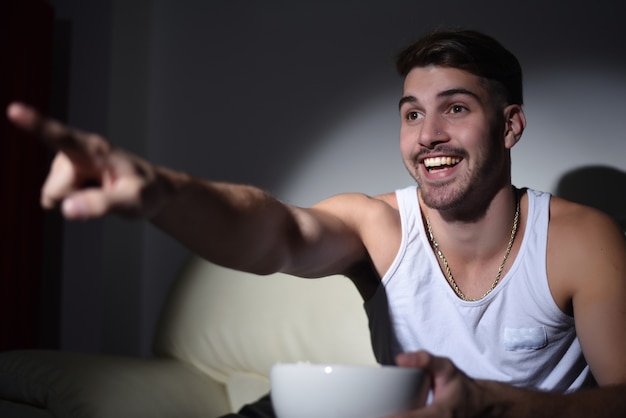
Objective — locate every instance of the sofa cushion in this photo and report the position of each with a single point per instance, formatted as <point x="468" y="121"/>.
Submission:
<point x="71" y="385"/>
<point x="9" y="409"/>
<point x="224" y="322"/>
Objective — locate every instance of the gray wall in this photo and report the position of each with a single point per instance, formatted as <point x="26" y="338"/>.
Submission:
<point x="299" y="97"/>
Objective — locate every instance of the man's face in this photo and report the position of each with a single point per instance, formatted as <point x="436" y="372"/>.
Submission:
<point x="451" y="137"/>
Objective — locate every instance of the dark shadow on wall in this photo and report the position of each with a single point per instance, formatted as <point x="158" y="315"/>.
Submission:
<point x="600" y="187"/>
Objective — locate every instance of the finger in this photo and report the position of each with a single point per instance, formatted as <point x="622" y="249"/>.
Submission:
<point x="438" y="367"/>
<point x="77" y="145"/>
<point x="417" y="359"/>
<point x="60" y="183"/>
<point x="21" y="115"/>
<point x="31" y="121"/>
<point x="86" y="204"/>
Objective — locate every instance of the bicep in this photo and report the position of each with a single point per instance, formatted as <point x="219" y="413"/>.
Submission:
<point x="327" y="239"/>
<point x="599" y="302"/>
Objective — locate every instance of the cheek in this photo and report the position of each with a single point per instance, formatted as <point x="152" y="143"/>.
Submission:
<point x="407" y="143"/>
<point x="474" y="137"/>
<point x="407" y="152"/>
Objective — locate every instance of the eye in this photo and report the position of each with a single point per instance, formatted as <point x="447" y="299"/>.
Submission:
<point x="457" y="108"/>
<point x="412" y="115"/>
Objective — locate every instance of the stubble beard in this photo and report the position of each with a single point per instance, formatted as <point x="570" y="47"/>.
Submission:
<point x="445" y="196"/>
<point x="466" y="196"/>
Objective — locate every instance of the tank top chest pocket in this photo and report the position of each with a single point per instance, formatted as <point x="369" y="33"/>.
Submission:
<point x="525" y="338"/>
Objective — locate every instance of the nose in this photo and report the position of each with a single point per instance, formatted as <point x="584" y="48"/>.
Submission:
<point x="432" y="132"/>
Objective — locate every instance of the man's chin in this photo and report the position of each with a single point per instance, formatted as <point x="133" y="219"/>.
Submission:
<point x="440" y="196"/>
<point x="441" y="201"/>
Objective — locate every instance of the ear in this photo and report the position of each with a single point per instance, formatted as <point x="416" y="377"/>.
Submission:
<point x="514" y="124"/>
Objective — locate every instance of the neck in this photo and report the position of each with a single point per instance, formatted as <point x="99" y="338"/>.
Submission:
<point x="478" y="237"/>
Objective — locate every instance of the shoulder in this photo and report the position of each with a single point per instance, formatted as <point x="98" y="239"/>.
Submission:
<point x="364" y="214"/>
<point x="354" y="208"/>
<point x="577" y="226"/>
<point x="375" y="219"/>
<point x="586" y="249"/>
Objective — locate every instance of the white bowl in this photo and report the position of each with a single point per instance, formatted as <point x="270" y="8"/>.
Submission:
<point x="303" y="390"/>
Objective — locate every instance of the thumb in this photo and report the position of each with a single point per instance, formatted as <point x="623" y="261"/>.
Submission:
<point x="124" y="198"/>
<point x="85" y="204"/>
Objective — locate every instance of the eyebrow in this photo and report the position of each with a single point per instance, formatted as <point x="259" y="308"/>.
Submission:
<point x="445" y="93"/>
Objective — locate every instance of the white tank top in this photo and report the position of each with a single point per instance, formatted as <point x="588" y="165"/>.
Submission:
<point x="516" y="334"/>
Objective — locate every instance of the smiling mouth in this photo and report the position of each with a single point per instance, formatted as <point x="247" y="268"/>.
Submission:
<point x="440" y="163"/>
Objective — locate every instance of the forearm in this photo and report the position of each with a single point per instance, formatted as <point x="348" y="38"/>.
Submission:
<point x="238" y="226"/>
<point x="498" y="400"/>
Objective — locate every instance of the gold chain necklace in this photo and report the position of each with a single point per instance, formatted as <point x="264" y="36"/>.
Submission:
<point x="443" y="259"/>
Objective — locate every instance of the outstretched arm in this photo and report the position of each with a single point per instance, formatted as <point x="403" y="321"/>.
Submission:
<point x="238" y="226"/>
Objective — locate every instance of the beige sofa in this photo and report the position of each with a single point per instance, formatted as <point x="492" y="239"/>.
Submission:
<point x="220" y="333"/>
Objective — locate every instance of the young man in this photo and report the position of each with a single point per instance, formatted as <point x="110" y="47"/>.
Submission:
<point x="508" y="297"/>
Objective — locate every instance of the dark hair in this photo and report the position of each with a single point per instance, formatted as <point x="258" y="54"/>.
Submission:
<point x="470" y="51"/>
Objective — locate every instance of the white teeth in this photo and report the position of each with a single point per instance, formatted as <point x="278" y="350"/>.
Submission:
<point x="441" y="161"/>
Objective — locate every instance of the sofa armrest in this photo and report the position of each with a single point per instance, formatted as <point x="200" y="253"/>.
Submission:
<point x="93" y="386"/>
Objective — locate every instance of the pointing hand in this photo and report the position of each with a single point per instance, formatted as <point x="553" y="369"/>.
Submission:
<point x="88" y="177"/>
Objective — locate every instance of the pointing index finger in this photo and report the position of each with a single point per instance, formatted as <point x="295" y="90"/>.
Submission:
<point x="31" y="121"/>
<point x="54" y="133"/>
